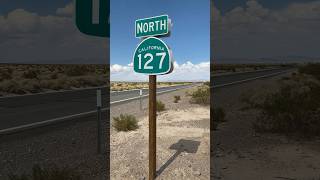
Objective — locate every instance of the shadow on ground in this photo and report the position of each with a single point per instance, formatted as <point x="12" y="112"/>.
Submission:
<point x="183" y="145"/>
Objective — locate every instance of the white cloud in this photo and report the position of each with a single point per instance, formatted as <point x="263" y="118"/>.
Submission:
<point x="182" y="72"/>
<point x="29" y="37"/>
<point x="66" y="11"/>
<point x="257" y="31"/>
<point x="19" y="20"/>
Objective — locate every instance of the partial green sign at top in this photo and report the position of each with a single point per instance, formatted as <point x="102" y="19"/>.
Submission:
<point x="153" y="26"/>
<point x="92" y="17"/>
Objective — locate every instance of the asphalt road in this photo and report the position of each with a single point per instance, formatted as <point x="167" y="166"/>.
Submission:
<point x="23" y="110"/>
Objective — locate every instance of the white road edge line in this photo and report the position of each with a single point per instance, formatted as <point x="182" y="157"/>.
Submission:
<point x="250" y="79"/>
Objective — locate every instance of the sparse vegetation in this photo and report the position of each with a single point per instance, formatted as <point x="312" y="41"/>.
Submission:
<point x="120" y="86"/>
<point x="54" y="173"/>
<point x="125" y="122"/>
<point x="160" y="106"/>
<point x="292" y="110"/>
<point x="220" y="68"/>
<point x="177" y="99"/>
<point x="31" y="73"/>
<point x="312" y="69"/>
<point x="30" y="78"/>
<point x="218" y="116"/>
<point x="201" y="95"/>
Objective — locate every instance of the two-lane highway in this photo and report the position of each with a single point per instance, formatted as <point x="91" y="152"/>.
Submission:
<point x="123" y="96"/>
<point x="46" y="108"/>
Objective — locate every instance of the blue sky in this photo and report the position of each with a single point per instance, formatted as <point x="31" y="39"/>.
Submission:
<point x="190" y="36"/>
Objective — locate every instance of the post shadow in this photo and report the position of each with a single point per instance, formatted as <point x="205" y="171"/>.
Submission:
<point x="183" y="145"/>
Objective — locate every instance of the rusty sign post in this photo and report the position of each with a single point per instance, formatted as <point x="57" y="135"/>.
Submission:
<point x="153" y="57"/>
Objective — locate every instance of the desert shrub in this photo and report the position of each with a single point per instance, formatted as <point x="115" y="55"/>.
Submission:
<point x="292" y="110"/>
<point x="78" y="70"/>
<point x="311" y="69"/>
<point x="30" y="85"/>
<point x="54" y="75"/>
<point x="5" y="74"/>
<point x="218" y="116"/>
<point x="160" y="106"/>
<point x="177" y="99"/>
<point x="31" y="74"/>
<point x="207" y="83"/>
<point x="11" y="86"/>
<point x="54" y="173"/>
<point x="125" y="122"/>
<point x="201" y="95"/>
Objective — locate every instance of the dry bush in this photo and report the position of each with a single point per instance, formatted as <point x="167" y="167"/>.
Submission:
<point x="218" y="116"/>
<point x="293" y="110"/>
<point x="31" y="73"/>
<point x="176" y="99"/>
<point x="200" y="96"/>
<point x="125" y="122"/>
<point x="160" y="106"/>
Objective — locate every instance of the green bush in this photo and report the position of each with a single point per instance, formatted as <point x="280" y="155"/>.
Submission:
<point x="218" y="116"/>
<point x="201" y="95"/>
<point x="292" y="110"/>
<point x="177" y="99"/>
<point x="160" y="106"/>
<point x="125" y="123"/>
<point x="39" y="173"/>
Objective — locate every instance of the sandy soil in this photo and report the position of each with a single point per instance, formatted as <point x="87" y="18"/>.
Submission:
<point x="182" y="143"/>
<point x="239" y="153"/>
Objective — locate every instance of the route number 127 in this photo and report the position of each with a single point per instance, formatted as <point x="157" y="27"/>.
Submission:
<point x="150" y="58"/>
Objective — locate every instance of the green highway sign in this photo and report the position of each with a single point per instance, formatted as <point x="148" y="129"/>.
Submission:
<point x="152" y="57"/>
<point x="92" y="17"/>
<point x="153" y="26"/>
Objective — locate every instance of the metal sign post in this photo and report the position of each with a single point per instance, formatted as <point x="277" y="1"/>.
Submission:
<point x="99" y="122"/>
<point x="152" y="57"/>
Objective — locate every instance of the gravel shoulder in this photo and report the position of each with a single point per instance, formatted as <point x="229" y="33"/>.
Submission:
<point x="183" y="136"/>
<point x="72" y="145"/>
<point x="240" y="153"/>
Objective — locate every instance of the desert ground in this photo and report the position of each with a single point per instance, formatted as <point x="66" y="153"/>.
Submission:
<point x="182" y="141"/>
<point x="239" y="153"/>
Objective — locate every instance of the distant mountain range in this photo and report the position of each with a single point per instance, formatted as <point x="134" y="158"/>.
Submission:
<point x="221" y="60"/>
<point x="278" y="59"/>
<point x="58" y="61"/>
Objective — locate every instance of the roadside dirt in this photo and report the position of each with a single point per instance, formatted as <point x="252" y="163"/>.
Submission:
<point x="182" y="142"/>
<point x="239" y="153"/>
